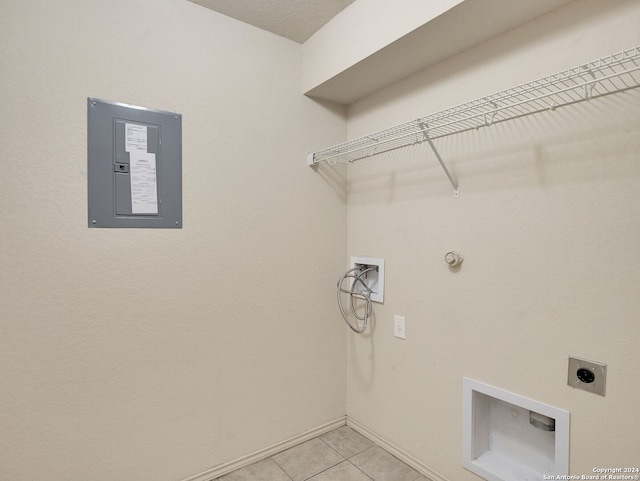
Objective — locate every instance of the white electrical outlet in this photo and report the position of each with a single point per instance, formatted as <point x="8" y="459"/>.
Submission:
<point x="399" y="328"/>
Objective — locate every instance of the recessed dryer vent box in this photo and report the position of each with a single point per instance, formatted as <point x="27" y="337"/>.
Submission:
<point x="134" y="166"/>
<point x="507" y="437"/>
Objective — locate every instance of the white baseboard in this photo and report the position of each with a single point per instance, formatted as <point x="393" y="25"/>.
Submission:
<point x="226" y="468"/>
<point x="395" y="450"/>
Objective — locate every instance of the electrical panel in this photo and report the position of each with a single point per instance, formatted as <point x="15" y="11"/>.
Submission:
<point x="134" y="166"/>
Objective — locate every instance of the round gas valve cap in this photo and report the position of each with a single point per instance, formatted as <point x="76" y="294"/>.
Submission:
<point x="453" y="259"/>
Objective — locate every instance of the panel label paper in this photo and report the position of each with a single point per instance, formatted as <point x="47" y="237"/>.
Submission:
<point x="135" y="138"/>
<point x="144" y="190"/>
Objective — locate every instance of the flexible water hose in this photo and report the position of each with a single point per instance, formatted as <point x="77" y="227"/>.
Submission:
<point x="365" y="295"/>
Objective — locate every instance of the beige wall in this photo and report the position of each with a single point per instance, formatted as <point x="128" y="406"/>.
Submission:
<point x="158" y="354"/>
<point x="155" y="355"/>
<point x="548" y="221"/>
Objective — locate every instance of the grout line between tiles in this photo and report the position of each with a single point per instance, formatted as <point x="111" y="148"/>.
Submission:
<point x="344" y="460"/>
<point x="368" y="477"/>
<point x="272" y="458"/>
<point x="332" y="466"/>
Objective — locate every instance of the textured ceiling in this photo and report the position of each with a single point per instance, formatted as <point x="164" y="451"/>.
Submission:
<point x="296" y="20"/>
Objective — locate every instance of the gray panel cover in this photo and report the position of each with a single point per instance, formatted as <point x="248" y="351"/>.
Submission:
<point x="109" y="173"/>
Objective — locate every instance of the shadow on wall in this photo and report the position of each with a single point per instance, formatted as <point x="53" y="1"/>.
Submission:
<point x="363" y="354"/>
<point x="335" y="176"/>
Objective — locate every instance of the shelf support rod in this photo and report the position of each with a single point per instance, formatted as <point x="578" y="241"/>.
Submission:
<point x="588" y="87"/>
<point x="425" y="131"/>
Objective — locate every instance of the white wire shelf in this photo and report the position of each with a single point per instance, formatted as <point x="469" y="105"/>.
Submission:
<point x="616" y="73"/>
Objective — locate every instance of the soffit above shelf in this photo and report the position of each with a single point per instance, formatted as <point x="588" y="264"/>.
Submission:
<point x="361" y="72"/>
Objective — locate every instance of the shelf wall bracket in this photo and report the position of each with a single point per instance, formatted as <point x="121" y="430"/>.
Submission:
<point x="588" y="87"/>
<point x="425" y="132"/>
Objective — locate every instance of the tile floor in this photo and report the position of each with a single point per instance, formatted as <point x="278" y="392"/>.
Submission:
<point x="339" y="455"/>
